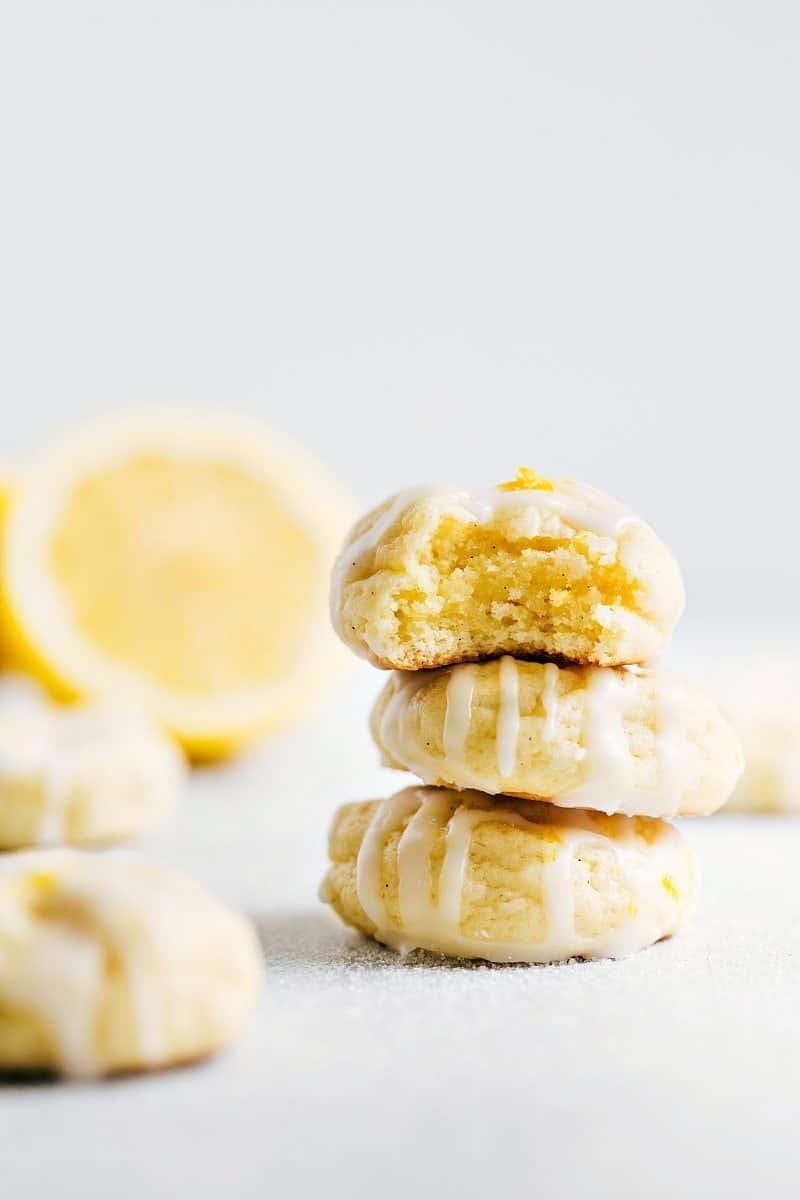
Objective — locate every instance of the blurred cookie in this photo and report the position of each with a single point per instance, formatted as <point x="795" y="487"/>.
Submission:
<point x="762" y="701"/>
<point x="94" y="773"/>
<point x="506" y="880"/>
<point x="111" y="963"/>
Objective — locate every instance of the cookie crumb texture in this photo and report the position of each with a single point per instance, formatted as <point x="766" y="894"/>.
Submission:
<point x="520" y="881"/>
<point x="536" y="568"/>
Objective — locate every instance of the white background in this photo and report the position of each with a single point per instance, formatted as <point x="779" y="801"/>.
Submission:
<point x="432" y="240"/>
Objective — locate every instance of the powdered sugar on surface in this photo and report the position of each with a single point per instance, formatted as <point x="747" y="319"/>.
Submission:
<point x="672" y="1073"/>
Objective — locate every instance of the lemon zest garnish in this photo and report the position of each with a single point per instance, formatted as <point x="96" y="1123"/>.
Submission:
<point x="526" y="480"/>
<point x="43" y="881"/>
<point x="669" y="886"/>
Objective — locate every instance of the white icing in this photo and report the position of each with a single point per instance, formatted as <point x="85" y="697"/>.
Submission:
<point x="436" y="926"/>
<point x="576" y="504"/>
<point x="609" y="775"/>
<point x="59" y="980"/>
<point x="388" y="816"/>
<point x="56" y="970"/>
<point x="415" y="878"/>
<point x="129" y="919"/>
<point x="458" y="711"/>
<point x="610" y="782"/>
<point x="607" y="762"/>
<point x="355" y="559"/>
<point x="550" y="702"/>
<point x="508" y="717"/>
<point x="672" y="746"/>
<point x="395" y="726"/>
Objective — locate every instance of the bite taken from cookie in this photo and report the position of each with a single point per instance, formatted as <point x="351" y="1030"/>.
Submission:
<point x="533" y="567"/>
<point x="506" y="880"/>
<point x="607" y="738"/>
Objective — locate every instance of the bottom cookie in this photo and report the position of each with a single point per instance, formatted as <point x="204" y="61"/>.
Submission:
<point x="112" y="963"/>
<point x="469" y="876"/>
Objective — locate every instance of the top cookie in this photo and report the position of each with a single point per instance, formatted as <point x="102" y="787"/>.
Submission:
<point x="532" y="568"/>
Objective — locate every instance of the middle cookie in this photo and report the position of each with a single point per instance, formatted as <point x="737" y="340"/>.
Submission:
<point x="616" y="740"/>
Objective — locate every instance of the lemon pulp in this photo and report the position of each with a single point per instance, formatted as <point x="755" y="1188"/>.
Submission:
<point x="189" y="571"/>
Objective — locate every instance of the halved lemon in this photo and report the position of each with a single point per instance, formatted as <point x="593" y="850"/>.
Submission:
<point x="181" y="559"/>
<point x="8" y="478"/>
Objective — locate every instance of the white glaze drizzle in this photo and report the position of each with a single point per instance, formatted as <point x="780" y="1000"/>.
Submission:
<point x="388" y="816"/>
<point x="609" y="783"/>
<point x="59" y="981"/>
<point x="607" y="762"/>
<point x="415" y="878"/>
<point x="576" y="504"/>
<point x="59" y="975"/>
<point x="550" y="702"/>
<point x="436" y="926"/>
<point x="132" y="926"/>
<point x="672" y="746"/>
<point x="508" y="717"/>
<point x="354" y="561"/>
<point x="458" y="711"/>
<point x="609" y="777"/>
<point x="396" y="732"/>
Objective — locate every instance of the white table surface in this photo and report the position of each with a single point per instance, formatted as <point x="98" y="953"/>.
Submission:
<point x="671" y="1074"/>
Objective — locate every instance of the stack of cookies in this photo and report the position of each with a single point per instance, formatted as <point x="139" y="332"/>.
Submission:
<point x="516" y="622"/>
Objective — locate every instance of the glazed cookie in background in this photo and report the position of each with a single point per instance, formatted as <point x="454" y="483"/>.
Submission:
<point x="8" y="478"/>
<point x="506" y="880"/>
<point x="606" y="738"/>
<point x="534" y="568"/>
<point x="111" y="963"/>
<point x="97" y="773"/>
<point x="762" y="701"/>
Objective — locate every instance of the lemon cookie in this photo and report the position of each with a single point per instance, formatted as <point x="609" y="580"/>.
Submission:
<point x="762" y="701"/>
<point x="111" y="963"/>
<point x="606" y="738"/>
<point x="508" y="881"/>
<point x="535" y="568"/>
<point x="85" y="774"/>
